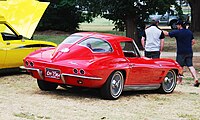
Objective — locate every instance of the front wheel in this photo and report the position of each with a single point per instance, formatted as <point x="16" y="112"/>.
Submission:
<point x="46" y="86"/>
<point x="173" y="25"/>
<point x="113" y="87"/>
<point x="169" y="83"/>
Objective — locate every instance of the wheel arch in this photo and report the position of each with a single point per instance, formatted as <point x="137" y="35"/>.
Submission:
<point x="123" y="73"/>
<point x="172" y="21"/>
<point x="176" y="71"/>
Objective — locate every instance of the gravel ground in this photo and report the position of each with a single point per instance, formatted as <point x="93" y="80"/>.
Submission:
<point x="21" y="99"/>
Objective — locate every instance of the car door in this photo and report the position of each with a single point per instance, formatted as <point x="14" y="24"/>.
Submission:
<point x="2" y="52"/>
<point x="16" y="51"/>
<point x="164" y="18"/>
<point x="14" y="47"/>
<point x="142" y="70"/>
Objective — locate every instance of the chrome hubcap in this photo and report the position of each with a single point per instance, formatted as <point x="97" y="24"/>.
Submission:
<point x="116" y="84"/>
<point x="169" y="81"/>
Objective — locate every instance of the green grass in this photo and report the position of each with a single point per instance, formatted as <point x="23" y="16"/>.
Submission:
<point x="30" y="116"/>
<point x="53" y="38"/>
<point x="188" y="117"/>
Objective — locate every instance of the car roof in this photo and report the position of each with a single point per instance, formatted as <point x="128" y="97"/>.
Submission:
<point x="105" y="36"/>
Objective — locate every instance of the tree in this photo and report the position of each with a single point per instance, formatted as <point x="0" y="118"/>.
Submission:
<point x="195" y="15"/>
<point x="62" y="15"/>
<point x="125" y="13"/>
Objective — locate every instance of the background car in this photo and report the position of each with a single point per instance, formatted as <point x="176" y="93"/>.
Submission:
<point x="16" y="31"/>
<point x="95" y="60"/>
<point x="170" y="18"/>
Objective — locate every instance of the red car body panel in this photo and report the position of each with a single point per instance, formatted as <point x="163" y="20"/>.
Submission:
<point x="80" y="66"/>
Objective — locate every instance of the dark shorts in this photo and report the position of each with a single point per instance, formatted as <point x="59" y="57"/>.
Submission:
<point x="153" y="54"/>
<point x="184" y="59"/>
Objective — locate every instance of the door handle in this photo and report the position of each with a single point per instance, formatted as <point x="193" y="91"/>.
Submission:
<point x="7" y="43"/>
<point x="131" y="65"/>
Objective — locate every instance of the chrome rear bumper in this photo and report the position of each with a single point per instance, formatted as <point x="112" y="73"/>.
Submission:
<point x="33" y="69"/>
<point x="62" y="75"/>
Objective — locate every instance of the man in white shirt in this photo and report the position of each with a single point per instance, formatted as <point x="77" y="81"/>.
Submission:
<point x="153" y="40"/>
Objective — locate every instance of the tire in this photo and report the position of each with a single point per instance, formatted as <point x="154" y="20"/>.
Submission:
<point x="173" y="25"/>
<point x="113" y="87"/>
<point x="46" y="86"/>
<point x="169" y="83"/>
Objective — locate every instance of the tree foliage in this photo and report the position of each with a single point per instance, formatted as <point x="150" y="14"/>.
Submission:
<point x="120" y="10"/>
<point x="127" y="15"/>
<point x="62" y="15"/>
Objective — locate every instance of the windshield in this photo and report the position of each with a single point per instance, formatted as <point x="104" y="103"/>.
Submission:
<point x="7" y="33"/>
<point x="72" y="39"/>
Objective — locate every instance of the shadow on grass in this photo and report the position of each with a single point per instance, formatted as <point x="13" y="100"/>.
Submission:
<point x="86" y="93"/>
<point x="11" y="71"/>
<point x="73" y="93"/>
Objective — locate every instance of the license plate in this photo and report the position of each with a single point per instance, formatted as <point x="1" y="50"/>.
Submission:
<point x="52" y="73"/>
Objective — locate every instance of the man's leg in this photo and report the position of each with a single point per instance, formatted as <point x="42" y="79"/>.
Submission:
<point x="180" y="78"/>
<point x="194" y="75"/>
<point x="189" y="63"/>
<point x="180" y="60"/>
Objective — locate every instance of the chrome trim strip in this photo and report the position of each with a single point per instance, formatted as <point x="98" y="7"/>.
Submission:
<point x="34" y="69"/>
<point x="85" y="77"/>
<point x="63" y="79"/>
<point x="137" y="48"/>
<point x="141" y="87"/>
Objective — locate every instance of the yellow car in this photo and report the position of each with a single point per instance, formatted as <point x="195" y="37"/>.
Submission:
<point x="15" y="43"/>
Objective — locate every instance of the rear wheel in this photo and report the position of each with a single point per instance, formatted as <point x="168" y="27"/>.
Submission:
<point x="113" y="87"/>
<point x="46" y="86"/>
<point x="169" y="83"/>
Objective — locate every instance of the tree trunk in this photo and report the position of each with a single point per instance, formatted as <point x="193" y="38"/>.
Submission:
<point x="195" y="15"/>
<point x="131" y="30"/>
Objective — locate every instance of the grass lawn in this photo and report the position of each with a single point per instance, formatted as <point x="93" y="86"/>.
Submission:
<point x="52" y="38"/>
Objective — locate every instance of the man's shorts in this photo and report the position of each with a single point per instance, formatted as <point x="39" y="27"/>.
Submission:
<point x="184" y="59"/>
<point x="152" y="54"/>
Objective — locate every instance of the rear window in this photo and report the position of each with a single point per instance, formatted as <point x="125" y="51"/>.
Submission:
<point x="97" y="45"/>
<point x="72" y="39"/>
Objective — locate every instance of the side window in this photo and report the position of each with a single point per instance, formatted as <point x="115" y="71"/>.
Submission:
<point x="129" y="49"/>
<point x="7" y="33"/>
<point x="97" y="45"/>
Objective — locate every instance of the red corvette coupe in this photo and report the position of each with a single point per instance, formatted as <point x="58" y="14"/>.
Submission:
<point x="95" y="60"/>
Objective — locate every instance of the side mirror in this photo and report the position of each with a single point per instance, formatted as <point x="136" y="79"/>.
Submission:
<point x="20" y="37"/>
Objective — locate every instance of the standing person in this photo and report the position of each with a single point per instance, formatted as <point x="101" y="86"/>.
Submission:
<point x="184" y="40"/>
<point x="153" y="40"/>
